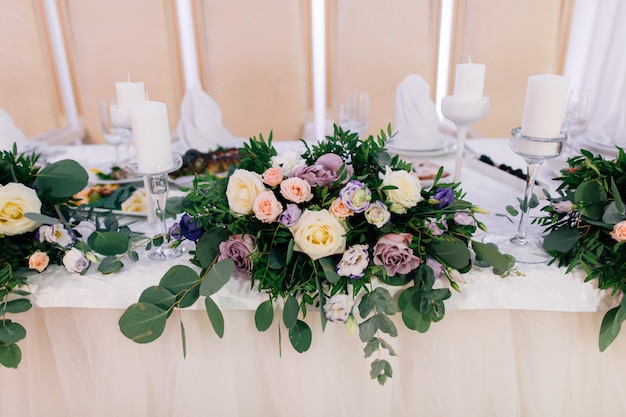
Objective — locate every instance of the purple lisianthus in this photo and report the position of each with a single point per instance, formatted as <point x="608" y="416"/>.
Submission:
<point x="354" y="262"/>
<point x="290" y="215"/>
<point x="175" y="232"/>
<point x="437" y="228"/>
<point x="190" y="228"/>
<point x="392" y="251"/>
<point x="356" y="196"/>
<point x="238" y="248"/>
<point x="444" y="196"/>
<point x="333" y="162"/>
<point x="464" y="219"/>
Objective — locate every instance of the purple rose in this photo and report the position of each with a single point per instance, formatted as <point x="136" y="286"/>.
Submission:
<point x="463" y="219"/>
<point x="445" y="196"/>
<point x="190" y="228"/>
<point x="290" y="216"/>
<point x="437" y="228"/>
<point x="316" y="175"/>
<point x="392" y="251"/>
<point x="333" y="163"/>
<point x="356" y="196"/>
<point x="238" y="248"/>
<point x="175" y="232"/>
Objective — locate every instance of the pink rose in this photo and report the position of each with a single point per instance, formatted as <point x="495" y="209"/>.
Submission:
<point x="266" y="207"/>
<point x="238" y="248"/>
<point x="339" y="209"/>
<point x="392" y="251"/>
<point x="273" y="176"/>
<point x="296" y="190"/>
<point x="619" y="231"/>
<point x="38" y="261"/>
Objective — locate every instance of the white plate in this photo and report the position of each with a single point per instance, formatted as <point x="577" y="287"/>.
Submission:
<point x="449" y="146"/>
<point x="106" y="168"/>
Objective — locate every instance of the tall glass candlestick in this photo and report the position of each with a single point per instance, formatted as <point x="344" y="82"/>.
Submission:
<point x="158" y="186"/>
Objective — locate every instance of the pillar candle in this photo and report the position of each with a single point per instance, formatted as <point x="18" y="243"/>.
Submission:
<point x="469" y="81"/>
<point x="129" y="93"/>
<point x="151" y="132"/>
<point x="546" y="95"/>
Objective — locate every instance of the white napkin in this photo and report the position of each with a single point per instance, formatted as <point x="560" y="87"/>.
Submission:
<point x="9" y="133"/>
<point x="417" y="122"/>
<point x="200" y="126"/>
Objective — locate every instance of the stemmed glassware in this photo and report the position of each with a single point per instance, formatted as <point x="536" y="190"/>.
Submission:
<point x="526" y="246"/>
<point x="354" y="113"/>
<point x="576" y="116"/>
<point x="113" y="134"/>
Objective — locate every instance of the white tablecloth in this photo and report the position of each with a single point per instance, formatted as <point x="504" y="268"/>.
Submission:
<point x="517" y="346"/>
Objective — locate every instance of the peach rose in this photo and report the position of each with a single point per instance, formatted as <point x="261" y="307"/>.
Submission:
<point x="339" y="209"/>
<point x="619" y="231"/>
<point x="266" y="207"/>
<point x="273" y="176"/>
<point x="296" y="190"/>
<point x="38" y="261"/>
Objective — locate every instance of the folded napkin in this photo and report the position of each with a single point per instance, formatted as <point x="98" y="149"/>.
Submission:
<point x="9" y="134"/>
<point x="200" y="126"/>
<point x="417" y="122"/>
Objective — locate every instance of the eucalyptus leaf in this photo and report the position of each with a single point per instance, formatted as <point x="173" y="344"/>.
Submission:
<point x="183" y="337"/>
<point x="368" y="328"/>
<point x="328" y="265"/>
<point x="264" y="315"/>
<point x="561" y="240"/>
<point x="300" y="336"/>
<point x="452" y="251"/>
<point x="207" y="247"/>
<point x="608" y="329"/>
<point x="366" y="305"/>
<point x="143" y="322"/>
<point x="217" y="277"/>
<point x="371" y="346"/>
<point x="438" y="294"/>
<point x="42" y="218"/>
<point x="277" y="258"/>
<point x="109" y="243"/>
<point x="290" y="311"/>
<point x="383" y="301"/>
<point x="11" y="332"/>
<point x="411" y="315"/>
<point x="381" y="370"/>
<point x="619" y="203"/>
<point x="386" y="325"/>
<point x="159" y="296"/>
<point x="612" y="215"/>
<point x="179" y="278"/>
<point x="15" y="306"/>
<point x="63" y="178"/>
<point x="215" y="316"/>
<point x="109" y="265"/>
<point x="490" y="254"/>
<point x="10" y="355"/>
<point x="388" y="347"/>
<point x="590" y="197"/>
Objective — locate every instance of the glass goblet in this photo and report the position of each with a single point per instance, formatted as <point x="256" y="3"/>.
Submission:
<point x="576" y="117"/>
<point x="526" y="246"/>
<point x="113" y="135"/>
<point x="354" y="114"/>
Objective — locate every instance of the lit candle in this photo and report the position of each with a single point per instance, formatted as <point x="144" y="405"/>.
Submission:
<point x="151" y="131"/>
<point x="469" y="81"/>
<point x="129" y="93"/>
<point x="546" y="95"/>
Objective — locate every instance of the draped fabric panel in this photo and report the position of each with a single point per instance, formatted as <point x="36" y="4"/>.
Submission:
<point x="473" y="363"/>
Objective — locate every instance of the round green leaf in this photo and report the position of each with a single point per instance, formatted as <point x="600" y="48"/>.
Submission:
<point x="215" y="316"/>
<point x="109" y="265"/>
<point x="10" y="355"/>
<point x="63" y="178"/>
<point x="264" y="315"/>
<point x="561" y="240"/>
<point x="15" y="306"/>
<point x="179" y="278"/>
<point x="143" y="322"/>
<point x="11" y="332"/>
<point x="451" y="251"/>
<point x="158" y="296"/>
<point x="207" y="247"/>
<point x="300" y="336"/>
<point x="109" y="243"/>
<point x="290" y="312"/>
<point x="217" y="277"/>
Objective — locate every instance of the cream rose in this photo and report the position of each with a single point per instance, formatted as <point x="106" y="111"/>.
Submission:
<point x="619" y="231"/>
<point x="242" y="189"/>
<point x="16" y="200"/>
<point x="266" y="207"/>
<point x="319" y="234"/>
<point x="408" y="191"/>
<point x="38" y="261"/>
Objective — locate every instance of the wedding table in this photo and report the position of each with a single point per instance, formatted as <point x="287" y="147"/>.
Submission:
<point x="522" y="345"/>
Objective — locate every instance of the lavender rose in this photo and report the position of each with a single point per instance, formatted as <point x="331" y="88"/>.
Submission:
<point x="190" y="228"/>
<point x="290" y="216"/>
<point x="356" y="196"/>
<point x="338" y="307"/>
<point x="333" y="162"/>
<point x="316" y="175"/>
<point x="393" y="253"/>
<point x="238" y="248"/>
<point x="444" y="196"/>
<point x="354" y="262"/>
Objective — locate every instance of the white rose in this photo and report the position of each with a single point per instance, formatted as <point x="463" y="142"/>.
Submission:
<point x="408" y="192"/>
<point x="16" y="200"/>
<point x="319" y="234"/>
<point x="242" y="189"/>
<point x="288" y="160"/>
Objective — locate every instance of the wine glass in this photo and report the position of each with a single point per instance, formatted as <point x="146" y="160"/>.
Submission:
<point x="113" y="134"/>
<point x="354" y="113"/>
<point x="526" y="246"/>
<point x="576" y="116"/>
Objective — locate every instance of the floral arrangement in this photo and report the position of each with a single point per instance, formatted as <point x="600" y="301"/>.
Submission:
<point x="332" y="229"/>
<point x="586" y="225"/>
<point x="41" y="225"/>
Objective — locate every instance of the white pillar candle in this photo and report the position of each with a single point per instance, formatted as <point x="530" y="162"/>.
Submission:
<point x="129" y="93"/>
<point x="469" y="81"/>
<point x="546" y="95"/>
<point x="151" y="131"/>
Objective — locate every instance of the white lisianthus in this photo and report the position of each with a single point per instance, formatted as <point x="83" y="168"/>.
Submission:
<point x="242" y="189"/>
<point x="338" y="307"/>
<point x="288" y="160"/>
<point x="354" y="262"/>
<point x="75" y="261"/>
<point x="15" y="201"/>
<point x="319" y="234"/>
<point x="408" y="191"/>
<point x="58" y="234"/>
